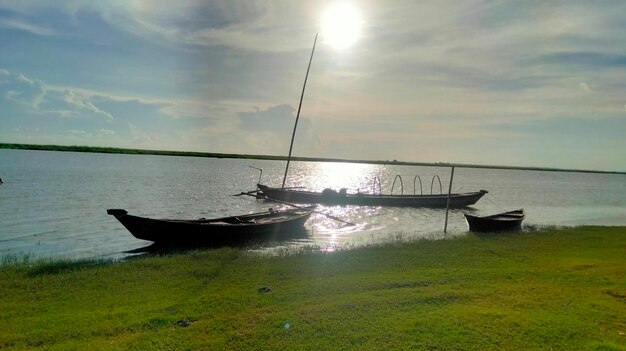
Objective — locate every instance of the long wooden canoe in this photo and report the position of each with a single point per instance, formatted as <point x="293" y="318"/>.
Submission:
<point x="343" y="198"/>
<point x="234" y="229"/>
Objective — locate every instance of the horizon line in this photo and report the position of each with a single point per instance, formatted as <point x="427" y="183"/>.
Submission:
<point x="114" y="150"/>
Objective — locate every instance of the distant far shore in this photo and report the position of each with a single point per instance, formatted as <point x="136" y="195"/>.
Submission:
<point x="111" y="150"/>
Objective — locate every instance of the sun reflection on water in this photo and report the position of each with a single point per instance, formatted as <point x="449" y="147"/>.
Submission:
<point x="353" y="177"/>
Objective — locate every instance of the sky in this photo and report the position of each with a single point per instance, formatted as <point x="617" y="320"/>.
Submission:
<point x="513" y="83"/>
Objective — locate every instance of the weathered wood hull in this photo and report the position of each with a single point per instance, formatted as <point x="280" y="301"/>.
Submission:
<point x="227" y="230"/>
<point x="500" y="222"/>
<point x="308" y="197"/>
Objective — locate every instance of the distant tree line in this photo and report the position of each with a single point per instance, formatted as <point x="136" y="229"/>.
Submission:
<point x="112" y="150"/>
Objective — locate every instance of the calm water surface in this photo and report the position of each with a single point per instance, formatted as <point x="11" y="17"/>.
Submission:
<point x="53" y="204"/>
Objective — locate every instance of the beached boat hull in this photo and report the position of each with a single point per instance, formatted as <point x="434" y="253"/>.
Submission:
<point x="227" y="230"/>
<point x="333" y="198"/>
<point x="500" y="222"/>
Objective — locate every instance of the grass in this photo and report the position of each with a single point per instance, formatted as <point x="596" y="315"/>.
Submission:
<point x="559" y="289"/>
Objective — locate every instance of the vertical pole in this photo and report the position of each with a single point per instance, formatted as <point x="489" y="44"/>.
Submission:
<point x="293" y="135"/>
<point x="445" y="227"/>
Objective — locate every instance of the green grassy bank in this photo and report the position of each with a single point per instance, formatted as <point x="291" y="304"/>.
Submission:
<point x="555" y="289"/>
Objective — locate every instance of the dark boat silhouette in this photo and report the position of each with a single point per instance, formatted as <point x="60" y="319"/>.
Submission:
<point x="225" y="230"/>
<point x="511" y="220"/>
<point x="345" y="198"/>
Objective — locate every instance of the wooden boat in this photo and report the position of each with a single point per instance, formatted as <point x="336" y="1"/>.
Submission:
<point x="226" y="230"/>
<point x="511" y="220"/>
<point x="343" y="198"/>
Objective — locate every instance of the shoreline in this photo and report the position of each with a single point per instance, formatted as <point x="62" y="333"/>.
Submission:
<point x="110" y="150"/>
<point x="551" y="289"/>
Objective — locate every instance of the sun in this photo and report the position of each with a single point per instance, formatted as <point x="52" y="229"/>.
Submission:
<point x="341" y="25"/>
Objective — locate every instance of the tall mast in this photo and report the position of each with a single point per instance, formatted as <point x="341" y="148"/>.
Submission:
<point x="295" y="126"/>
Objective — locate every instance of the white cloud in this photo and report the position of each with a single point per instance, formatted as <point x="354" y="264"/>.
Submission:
<point x="84" y="104"/>
<point x="192" y="109"/>
<point x="586" y="87"/>
<point x="247" y="24"/>
<point x="43" y="99"/>
<point x="22" y="90"/>
<point x="139" y="137"/>
<point x="62" y="113"/>
<point x="251" y="25"/>
<point x="79" y="132"/>
<point x="4" y="75"/>
<point x="28" y="27"/>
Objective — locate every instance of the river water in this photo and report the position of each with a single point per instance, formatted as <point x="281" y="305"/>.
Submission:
<point x="53" y="204"/>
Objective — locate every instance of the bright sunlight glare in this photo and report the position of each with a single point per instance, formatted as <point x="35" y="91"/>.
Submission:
<point x="341" y="25"/>
<point x="354" y="176"/>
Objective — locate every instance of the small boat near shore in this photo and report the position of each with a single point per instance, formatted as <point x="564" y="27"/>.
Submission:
<point x="221" y="231"/>
<point x="505" y="221"/>
<point x="329" y="197"/>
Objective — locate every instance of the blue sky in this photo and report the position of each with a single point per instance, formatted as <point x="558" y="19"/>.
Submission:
<point x="522" y="83"/>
